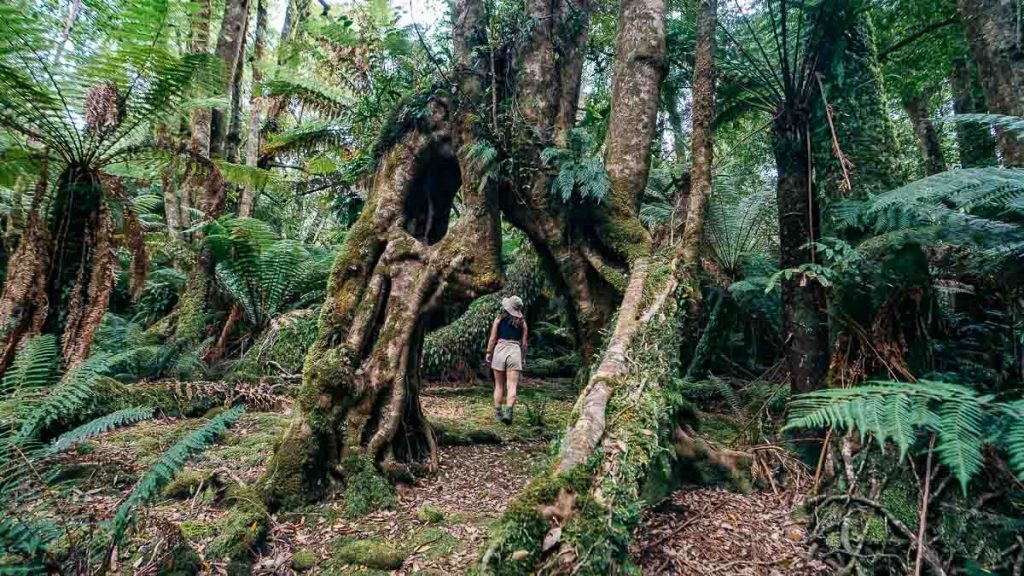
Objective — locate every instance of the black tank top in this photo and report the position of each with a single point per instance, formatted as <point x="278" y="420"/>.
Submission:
<point x="509" y="331"/>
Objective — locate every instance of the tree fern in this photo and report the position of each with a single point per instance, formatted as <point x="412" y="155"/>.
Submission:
<point x="100" y="425"/>
<point x="168" y="466"/>
<point x="962" y="420"/>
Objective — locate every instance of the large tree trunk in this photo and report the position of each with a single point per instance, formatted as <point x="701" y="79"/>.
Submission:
<point x="359" y="403"/>
<point x="799" y="226"/>
<point x="977" y="147"/>
<point x="994" y="33"/>
<point x="924" y="129"/>
<point x="636" y="361"/>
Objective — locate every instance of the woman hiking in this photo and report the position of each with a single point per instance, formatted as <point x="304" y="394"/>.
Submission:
<point x="506" y="349"/>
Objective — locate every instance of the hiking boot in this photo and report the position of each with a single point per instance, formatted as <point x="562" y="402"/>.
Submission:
<point x="499" y="415"/>
<point x="507" y="417"/>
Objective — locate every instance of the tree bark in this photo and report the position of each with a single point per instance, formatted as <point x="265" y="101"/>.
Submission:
<point x="924" y="129"/>
<point x="229" y="49"/>
<point x="359" y="400"/>
<point x="247" y="199"/>
<point x="172" y="208"/>
<point x="702" y="143"/>
<point x="976" y="144"/>
<point x="799" y="225"/>
<point x="994" y="34"/>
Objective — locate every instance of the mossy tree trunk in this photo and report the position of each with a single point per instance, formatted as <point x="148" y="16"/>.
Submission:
<point x="803" y="298"/>
<point x="359" y="401"/>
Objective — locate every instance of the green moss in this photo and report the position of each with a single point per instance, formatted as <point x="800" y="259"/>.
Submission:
<point x="365" y="489"/>
<point x="198" y="530"/>
<point x="186" y="483"/>
<point x="901" y="500"/>
<point x="86" y="448"/>
<point x="244" y="528"/>
<point x="369" y="552"/>
<point x="434" y="542"/>
<point x="182" y="561"/>
<point x="430" y="514"/>
<point x="303" y="560"/>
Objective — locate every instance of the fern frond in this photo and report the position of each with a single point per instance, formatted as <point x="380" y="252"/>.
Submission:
<point x="168" y="466"/>
<point x="959" y="445"/>
<point x="100" y="425"/>
<point x="71" y="394"/>
<point x="33" y="366"/>
<point x="1013" y="124"/>
<point x="313" y="95"/>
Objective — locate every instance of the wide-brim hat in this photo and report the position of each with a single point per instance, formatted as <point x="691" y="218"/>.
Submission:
<point x="513" y="305"/>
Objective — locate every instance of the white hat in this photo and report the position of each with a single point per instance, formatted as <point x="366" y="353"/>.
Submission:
<point x="513" y="305"/>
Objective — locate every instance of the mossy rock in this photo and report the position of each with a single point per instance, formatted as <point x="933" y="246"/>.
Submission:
<point x="430" y="514"/>
<point x="369" y="552"/>
<point x="303" y="560"/>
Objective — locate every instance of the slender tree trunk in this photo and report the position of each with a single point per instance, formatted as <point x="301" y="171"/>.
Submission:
<point x="976" y="144"/>
<point x="799" y="225"/>
<point x="994" y="33"/>
<point x="230" y="46"/>
<point x="924" y="129"/>
<point x="703" y="131"/>
<point x="172" y="208"/>
<point x="247" y="199"/>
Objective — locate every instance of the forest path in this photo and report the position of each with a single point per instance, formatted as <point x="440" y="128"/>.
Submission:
<point x="437" y="526"/>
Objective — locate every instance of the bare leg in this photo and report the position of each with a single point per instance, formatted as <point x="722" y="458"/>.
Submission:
<point x="499" y="387"/>
<point x="513" y="383"/>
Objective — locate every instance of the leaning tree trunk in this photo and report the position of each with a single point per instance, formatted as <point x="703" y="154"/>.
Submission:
<point x="574" y="515"/>
<point x="358" y="407"/>
<point x="994" y="33"/>
<point x="925" y="132"/>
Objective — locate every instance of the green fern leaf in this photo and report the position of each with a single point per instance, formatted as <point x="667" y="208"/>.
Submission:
<point x="960" y="443"/>
<point x="100" y="425"/>
<point x="169" y="465"/>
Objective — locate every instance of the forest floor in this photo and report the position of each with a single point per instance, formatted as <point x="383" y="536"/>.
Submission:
<point x="437" y="526"/>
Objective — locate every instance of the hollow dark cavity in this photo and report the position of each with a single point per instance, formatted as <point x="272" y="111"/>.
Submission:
<point x="429" y="202"/>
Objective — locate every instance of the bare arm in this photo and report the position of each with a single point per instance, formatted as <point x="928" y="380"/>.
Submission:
<point x="492" y="340"/>
<point x="525" y="334"/>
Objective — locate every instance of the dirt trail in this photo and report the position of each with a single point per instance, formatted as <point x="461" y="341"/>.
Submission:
<point x="437" y="526"/>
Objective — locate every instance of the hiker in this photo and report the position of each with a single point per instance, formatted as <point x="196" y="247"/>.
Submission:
<point x="506" y="350"/>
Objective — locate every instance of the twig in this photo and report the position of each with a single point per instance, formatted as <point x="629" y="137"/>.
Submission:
<point x="423" y="43"/>
<point x="923" y="518"/>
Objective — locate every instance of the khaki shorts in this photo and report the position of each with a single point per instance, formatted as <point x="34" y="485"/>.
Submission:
<point x="507" y="356"/>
